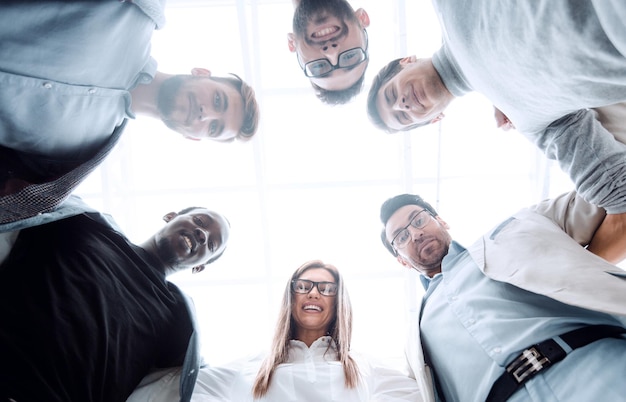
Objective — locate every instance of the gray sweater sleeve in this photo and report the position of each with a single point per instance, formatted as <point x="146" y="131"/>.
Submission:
<point x="591" y="156"/>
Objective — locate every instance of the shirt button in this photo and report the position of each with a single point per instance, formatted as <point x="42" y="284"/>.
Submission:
<point x="453" y="298"/>
<point x="92" y="91"/>
<point x="471" y="321"/>
<point x="47" y="85"/>
<point x="497" y="350"/>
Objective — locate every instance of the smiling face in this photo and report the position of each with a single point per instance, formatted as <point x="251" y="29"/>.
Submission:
<point x="201" y="107"/>
<point x="312" y="312"/>
<point x="426" y="246"/>
<point x="322" y="30"/>
<point x="192" y="239"/>
<point x="414" y="95"/>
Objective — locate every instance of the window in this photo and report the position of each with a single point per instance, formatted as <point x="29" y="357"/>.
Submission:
<point x="310" y="185"/>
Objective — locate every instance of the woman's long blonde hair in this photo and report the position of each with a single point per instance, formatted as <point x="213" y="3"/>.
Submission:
<point x="340" y="329"/>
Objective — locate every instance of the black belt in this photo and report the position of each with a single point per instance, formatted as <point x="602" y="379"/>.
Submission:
<point x="543" y="355"/>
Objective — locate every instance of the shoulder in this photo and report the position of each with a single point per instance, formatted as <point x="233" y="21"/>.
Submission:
<point x="72" y="206"/>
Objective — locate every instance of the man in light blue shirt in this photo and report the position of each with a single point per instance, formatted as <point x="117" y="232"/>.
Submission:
<point x="72" y="73"/>
<point x="525" y="283"/>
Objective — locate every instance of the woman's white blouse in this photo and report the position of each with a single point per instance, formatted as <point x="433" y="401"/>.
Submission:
<point x="311" y="374"/>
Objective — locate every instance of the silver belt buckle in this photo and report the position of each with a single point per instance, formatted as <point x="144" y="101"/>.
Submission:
<point x="528" y="363"/>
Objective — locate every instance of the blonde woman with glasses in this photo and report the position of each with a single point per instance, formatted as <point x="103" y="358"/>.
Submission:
<point x="310" y="357"/>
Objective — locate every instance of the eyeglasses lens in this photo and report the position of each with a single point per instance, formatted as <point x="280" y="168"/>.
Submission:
<point x="305" y="286"/>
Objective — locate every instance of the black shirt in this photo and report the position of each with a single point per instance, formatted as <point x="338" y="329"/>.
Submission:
<point x="84" y="315"/>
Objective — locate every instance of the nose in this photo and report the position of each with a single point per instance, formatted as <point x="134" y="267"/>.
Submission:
<point x="314" y="295"/>
<point x="401" y="103"/>
<point x="205" y="113"/>
<point x="415" y="233"/>
<point x="201" y="236"/>
<point x="331" y="52"/>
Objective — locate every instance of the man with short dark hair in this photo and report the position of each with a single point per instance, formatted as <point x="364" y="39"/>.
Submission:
<point x="86" y="314"/>
<point x="331" y="46"/>
<point x="543" y="64"/>
<point x="524" y="313"/>
<point x="73" y="73"/>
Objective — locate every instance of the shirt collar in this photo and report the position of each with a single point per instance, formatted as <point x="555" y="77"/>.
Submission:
<point x="450" y="73"/>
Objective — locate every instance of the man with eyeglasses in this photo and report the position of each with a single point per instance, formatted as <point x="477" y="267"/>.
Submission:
<point x="525" y="313"/>
<point x="331" y="46"/>
<point x="543" y="64"/>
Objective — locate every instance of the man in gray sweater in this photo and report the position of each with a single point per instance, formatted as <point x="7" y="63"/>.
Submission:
<point x="543" y="64"/>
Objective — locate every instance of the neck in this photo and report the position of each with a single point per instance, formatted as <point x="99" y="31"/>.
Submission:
<point x="150" y="247"/>
<point x="144" y="97"/>
<point x="431" y="272"/>
<point x="309" y="336"/>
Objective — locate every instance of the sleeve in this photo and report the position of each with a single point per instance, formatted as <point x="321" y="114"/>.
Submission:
<point x="578" y="218"/>
<point x="159" y="386"/>
<point x="594" y="160"/>
<point x="213" y="384"/>
<point x="613" y="118"/>
<point x="230" y="382"/>
<point x="387" y="384"/>
<point x="611" y="14"/>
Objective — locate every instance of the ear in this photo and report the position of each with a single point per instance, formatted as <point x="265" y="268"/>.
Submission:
<point x="291" y="42"/>
<point x="443" y="223"/>
<point x="169" y="216"/>
<point x="408" y="60"/>
<point x="364" y="19"/>
<point x="198" y="71"/>
<point x="438" y="118"/>
<point x="197" y="269"/>
<point x="403" y="262"/>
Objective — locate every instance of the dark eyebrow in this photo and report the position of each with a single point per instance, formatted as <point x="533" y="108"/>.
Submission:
<point x="216" y="241"/>
<point x="218" y="130"/>
<point x="225" y="103"/>
<point x="387" y="95"/>
<point x="398" y="117"/>
<point x="401" y="118"/>
<point x="219" y="240"/>
<point x="411" y="216"/>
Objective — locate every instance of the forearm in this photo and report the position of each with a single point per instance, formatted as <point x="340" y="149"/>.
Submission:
<point x="604" y="235"/>
<point x="591" y="156"/>
<point x="575" y="216"/>
<point x="609" y="241"/>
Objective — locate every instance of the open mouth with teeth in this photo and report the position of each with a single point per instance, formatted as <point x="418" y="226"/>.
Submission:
<point x="325" y="32"/>
<point x="188" y="241"/>
<point x="312" y="307"/>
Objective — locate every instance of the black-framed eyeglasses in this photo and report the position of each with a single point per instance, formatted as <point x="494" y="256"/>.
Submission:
<point x="420" y="220"/>
<point x="305" y="286"/>
<point x="347" y="59"/>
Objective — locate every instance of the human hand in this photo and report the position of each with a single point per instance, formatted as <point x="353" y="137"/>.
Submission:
<point x="502" y="121"/>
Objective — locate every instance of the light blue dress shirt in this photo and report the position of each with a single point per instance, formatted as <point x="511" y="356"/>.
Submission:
<point x="66" y="69"/>
<point x="472" y="327"/>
